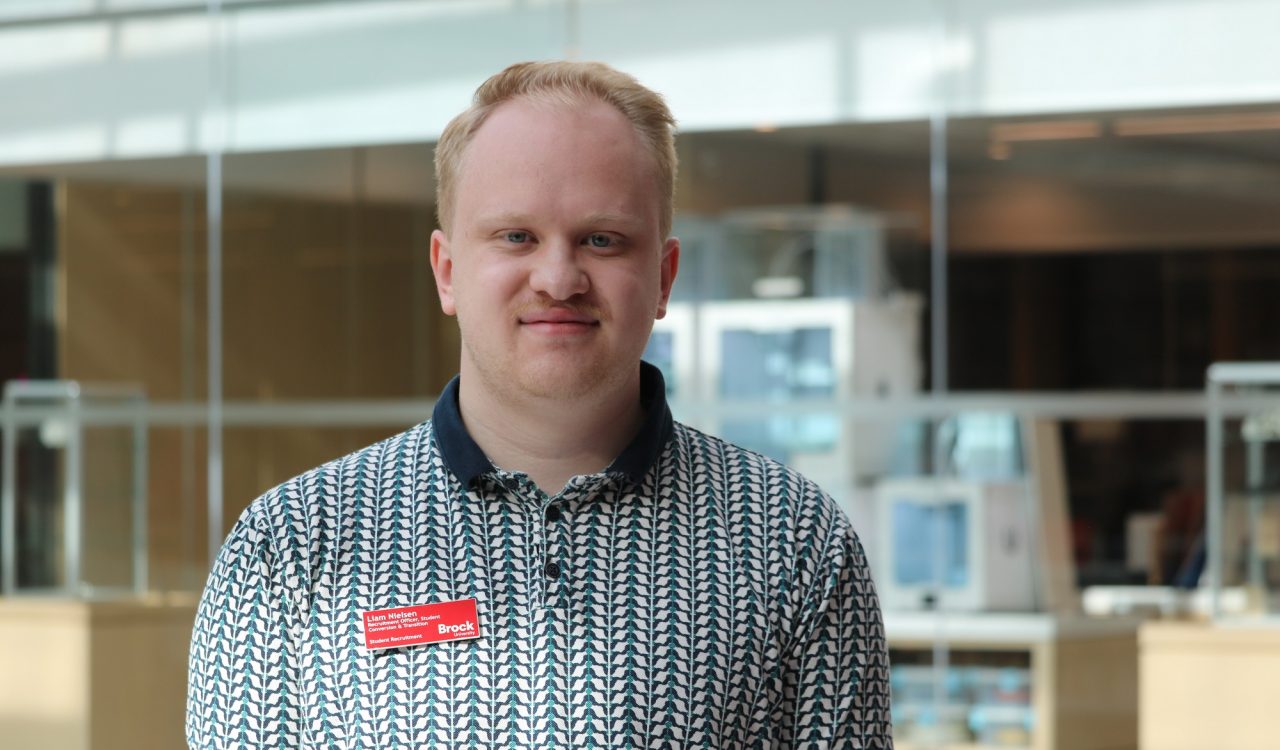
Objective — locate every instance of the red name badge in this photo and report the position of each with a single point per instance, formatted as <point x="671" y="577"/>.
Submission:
<point x="425" y="623"/>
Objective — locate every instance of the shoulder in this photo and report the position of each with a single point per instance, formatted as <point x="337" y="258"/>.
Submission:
<point x="299" y="500"/>
<point x="794" y="507"/>
<point x="798" y="537"/>
<point x="800" y="527"/>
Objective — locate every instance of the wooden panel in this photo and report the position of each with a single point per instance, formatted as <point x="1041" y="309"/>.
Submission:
<point x="322" y="300"/>
<point x="44" y="699"/>
<point x="137" y="675"/>
<point x="93" y="675"/>
<point x="1084" y="685"/>
<point x="1095" y="685"/>
<point x="1057" y="571"/>
<point x="1208" y="687"/>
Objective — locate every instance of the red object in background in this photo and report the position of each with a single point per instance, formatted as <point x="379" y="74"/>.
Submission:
<point x="1181" y="528"/>
<point x="1082" y="540"/>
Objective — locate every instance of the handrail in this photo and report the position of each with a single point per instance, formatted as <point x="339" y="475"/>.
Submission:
<point x="404" y="412"/>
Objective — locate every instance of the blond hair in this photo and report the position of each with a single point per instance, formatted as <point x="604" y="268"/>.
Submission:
<point x="567" y="83"/>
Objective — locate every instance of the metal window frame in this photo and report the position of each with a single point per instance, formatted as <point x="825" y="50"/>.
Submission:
<point x="1219" y="376"/>
<point x="74" y="395"/>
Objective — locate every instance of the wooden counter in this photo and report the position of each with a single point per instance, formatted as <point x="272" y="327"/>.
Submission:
<point x="94" y="675"/>
<point x="1209" y="686"/>
<point x="1084" y="671"/>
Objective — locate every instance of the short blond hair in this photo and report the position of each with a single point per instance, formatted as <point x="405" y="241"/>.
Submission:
<point x="569" y="83"/>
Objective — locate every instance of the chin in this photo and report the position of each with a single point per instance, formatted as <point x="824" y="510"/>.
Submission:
<point x="553" y="374"/>
<point x="560" y="387"/>
<point x="564" y="381"/>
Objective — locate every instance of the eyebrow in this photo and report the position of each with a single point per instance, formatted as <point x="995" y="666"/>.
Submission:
<point x="505" y="218"/>
<point x="514" y="218"/>
<point x="613" y="218"/>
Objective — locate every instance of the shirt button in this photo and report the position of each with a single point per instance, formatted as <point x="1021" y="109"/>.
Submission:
<point x="552" y="570"/>
<point x="553" y="514"/>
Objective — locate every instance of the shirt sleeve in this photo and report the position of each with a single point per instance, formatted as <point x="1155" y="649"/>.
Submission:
<point x="242" y="673"/>
<point x="836" y="676"/>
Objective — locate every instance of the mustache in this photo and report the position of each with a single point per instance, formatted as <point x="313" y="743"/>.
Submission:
<point x="579" y="307"/>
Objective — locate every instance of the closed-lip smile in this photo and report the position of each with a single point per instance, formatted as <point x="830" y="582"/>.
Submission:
<point x="557" y="317"/>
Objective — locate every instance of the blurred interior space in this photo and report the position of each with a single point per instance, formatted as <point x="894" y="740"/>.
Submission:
<point x="1004" y="279"/>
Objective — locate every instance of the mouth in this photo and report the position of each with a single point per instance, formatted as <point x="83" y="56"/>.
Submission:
<point x="559" y="320"/>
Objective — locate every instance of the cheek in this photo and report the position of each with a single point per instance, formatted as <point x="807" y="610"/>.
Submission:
<point x="484" y="288"/>
<point x="643" y="285"/>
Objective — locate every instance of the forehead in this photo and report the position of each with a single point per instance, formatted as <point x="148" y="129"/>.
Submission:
<point x="556" y="159"/>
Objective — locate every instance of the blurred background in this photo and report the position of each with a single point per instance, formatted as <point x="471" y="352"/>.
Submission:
<point x="1004" y="277"/>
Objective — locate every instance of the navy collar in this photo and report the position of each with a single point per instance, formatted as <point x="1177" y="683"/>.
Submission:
<point x="468" y="463"/>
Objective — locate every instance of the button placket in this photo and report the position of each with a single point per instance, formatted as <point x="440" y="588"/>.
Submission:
<point x="553" y="522"/>
<point x="551" y="561"/>
<point x="556" y="515"/>
<point x="539" y="545"/>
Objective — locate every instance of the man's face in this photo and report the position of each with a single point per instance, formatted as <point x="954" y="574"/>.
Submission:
<point x="554" y="264"/>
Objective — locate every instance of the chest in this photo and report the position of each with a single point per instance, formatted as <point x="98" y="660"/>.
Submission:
<point x="588" y="612"/>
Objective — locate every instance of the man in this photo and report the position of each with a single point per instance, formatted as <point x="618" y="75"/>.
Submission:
<point x="550" y="561"/>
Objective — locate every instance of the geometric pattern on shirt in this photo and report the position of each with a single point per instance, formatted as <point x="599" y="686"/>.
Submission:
<point x="723" y="602"/>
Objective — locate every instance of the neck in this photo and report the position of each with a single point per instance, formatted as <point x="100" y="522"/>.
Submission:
<point x="551" y="440"/>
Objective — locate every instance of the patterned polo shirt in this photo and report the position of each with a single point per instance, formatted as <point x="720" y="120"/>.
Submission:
<point x="693" y="594"/>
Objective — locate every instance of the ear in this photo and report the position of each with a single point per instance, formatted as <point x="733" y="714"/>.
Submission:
<point x="442" y="267"/>
<point x="668" y="266"/>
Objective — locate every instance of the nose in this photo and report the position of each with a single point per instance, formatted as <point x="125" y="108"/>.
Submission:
<point x="557" y="272"/>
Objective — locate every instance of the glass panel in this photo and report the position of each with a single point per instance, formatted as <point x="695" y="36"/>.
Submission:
<point x="178" y="518"/>
<point x="945" y="557"/>
<point x="133" y="269"/>
<point x="1117" y="249"/>
<point x="660" y="352"/>
<point x="1248" y="460"/>
<point x="780" y="366"/>
<point x="40" y="481"/>
<point x="108" y="508"/>
<point x="76" y="494"/>
<point x="976" y="697"/>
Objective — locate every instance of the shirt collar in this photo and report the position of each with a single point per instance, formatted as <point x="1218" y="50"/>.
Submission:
<point x="468" y="463"/>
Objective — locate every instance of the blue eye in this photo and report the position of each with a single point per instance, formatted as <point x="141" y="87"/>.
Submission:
<point x="600" y="240"/>
<point x="516" y="237"/>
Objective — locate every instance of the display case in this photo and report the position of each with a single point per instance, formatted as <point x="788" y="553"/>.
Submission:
<point x="1013" y="681"/>
<point x="73" y="508"/>
<point x="782" y="316"/>
<point x="955" y="545"/>
<point x="832" y="251"/>
<point x="790" y="352"/>
<point x="1224" y="665"/>
<point x="1243" y="490"/>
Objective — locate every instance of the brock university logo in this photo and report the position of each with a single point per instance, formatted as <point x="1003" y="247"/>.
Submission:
<point x="402" y="627"/>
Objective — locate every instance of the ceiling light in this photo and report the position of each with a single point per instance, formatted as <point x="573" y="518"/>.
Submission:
<point x="1051" y="130"/>
<point x="1185" y="124"/>
<point x="778" y="287"/>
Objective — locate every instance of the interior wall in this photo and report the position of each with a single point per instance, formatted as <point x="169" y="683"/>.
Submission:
<point x="1000" y="210"/>
<point x="993" y="206"/>
<point x="725" y="172"/>
<point x="322" y="300"/>
<point x="15" y="278"/>
<point x="1009" y="208"/>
